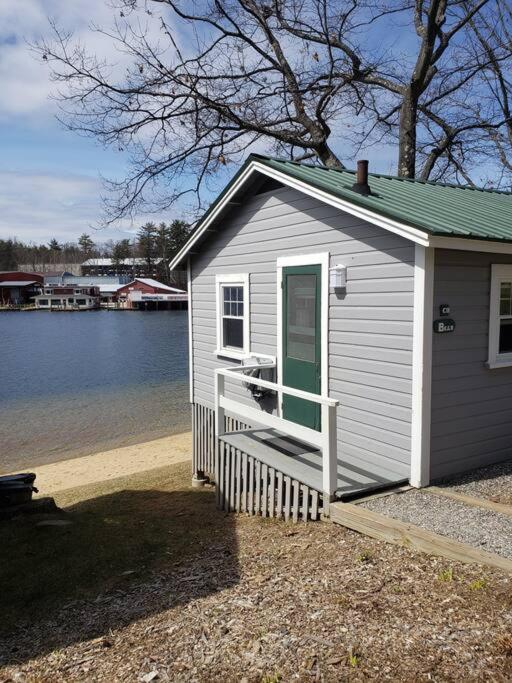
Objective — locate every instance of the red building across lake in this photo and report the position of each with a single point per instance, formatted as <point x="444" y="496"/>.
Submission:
<point x="146" y="293"/>
<point x="18" y="287"/>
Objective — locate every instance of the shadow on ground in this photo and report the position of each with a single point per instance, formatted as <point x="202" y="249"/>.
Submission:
<point x="125" y="555"/>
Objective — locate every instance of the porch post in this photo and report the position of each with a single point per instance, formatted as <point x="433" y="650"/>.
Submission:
<point x="329" y="455"/>
<point x="219" y="422"/>
<point x="219" y="411"/>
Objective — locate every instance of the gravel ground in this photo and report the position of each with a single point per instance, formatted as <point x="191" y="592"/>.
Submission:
<point x="478" y="527"/>
<point x="493" y="482"/>
<point x="276" y="602"/>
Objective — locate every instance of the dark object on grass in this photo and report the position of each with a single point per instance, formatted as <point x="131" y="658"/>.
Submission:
<point x="37" y="507"/>
<point x="16" y="489"/>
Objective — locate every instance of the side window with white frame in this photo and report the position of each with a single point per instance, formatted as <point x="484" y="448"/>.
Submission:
<point x="233" y="315"/>
<point x="500" y="316"/>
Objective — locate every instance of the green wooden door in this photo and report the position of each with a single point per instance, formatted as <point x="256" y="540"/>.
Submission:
<point x="302" y="342"/>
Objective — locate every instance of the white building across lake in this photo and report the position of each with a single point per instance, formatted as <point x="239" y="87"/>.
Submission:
<point x="70" y="297"/>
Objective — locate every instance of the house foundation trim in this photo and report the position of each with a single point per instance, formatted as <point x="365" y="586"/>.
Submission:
<point x="422" y="365"/>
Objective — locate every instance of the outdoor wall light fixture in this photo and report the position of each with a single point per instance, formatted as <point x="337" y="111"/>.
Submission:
<point x="338" y="277"/>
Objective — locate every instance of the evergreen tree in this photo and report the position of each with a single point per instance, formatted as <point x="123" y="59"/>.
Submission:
<point x="146" y="239"/>
<point x="8" y="259"/>
<point x="53" y="245"/>
<point x="179" y="234"/>
<point x="86" y="245"/>
<point x="120" y="251"/>
<point x="163" y="242"/>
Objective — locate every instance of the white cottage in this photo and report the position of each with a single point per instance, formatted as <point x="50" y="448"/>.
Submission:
<point x="347" y="333"/>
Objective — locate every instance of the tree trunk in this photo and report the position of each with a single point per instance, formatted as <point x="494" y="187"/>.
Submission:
<point x="327" y="157"/>
<point x="407" y="138"/>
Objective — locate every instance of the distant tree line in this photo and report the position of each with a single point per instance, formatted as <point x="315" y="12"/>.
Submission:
<point x="151" y="243"/>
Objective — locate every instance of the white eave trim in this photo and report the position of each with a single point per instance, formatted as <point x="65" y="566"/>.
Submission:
<point x="469" y="244"/>
<point x="413" y="234"/>
<point x="408" y="232"/>
<point x="418" y="236"/>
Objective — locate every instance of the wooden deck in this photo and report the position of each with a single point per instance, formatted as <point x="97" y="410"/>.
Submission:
<point x="303" y="462"/>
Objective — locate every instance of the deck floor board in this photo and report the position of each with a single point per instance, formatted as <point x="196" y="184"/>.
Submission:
<point x="302" y="461"/>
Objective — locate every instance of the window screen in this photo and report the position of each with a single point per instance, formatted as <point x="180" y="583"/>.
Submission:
<point x="301" y="324"/>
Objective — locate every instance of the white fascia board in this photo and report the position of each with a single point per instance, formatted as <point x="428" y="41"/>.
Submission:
<point x="413" y="234"/>
<point x="468" y="244"/>
<point x="212" y="217"/>
<point x="410" y="233"/>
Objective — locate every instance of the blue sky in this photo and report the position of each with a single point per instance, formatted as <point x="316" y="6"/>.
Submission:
<point x="49" y="177"/>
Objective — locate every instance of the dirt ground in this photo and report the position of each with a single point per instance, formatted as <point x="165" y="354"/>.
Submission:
<point x="176" y="590"/>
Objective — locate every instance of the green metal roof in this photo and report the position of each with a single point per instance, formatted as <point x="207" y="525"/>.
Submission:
<point x="436" y="208"/>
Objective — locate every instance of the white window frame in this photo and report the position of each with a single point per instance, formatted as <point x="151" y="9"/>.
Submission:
<point x="499" y="272"/>
<point x="233" y="280"/>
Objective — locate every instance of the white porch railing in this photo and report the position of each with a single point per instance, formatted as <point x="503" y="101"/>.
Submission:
<point x="325" y="439"/>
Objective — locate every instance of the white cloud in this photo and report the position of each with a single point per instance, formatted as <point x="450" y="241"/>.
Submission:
<point x="25" y="79"/>
<point x="37" y="206"/>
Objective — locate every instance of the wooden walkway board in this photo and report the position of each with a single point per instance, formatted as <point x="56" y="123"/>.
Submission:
<point x="401" y="533"/>
<point x="469" y="500"/>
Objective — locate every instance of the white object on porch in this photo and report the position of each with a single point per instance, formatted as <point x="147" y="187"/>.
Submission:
<point x="325" y="440"/>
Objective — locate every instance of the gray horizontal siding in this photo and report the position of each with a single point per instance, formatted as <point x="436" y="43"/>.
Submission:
<point x="370" y="328"/>
<point x="471" y="404"/>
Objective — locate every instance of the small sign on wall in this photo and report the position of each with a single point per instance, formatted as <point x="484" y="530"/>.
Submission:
<point x="443" y="326"/>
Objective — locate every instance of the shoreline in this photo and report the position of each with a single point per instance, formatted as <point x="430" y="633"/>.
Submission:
<point x="112" y="464"/>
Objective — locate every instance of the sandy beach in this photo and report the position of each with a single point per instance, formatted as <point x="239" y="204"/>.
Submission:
<point x="118" y="462"/>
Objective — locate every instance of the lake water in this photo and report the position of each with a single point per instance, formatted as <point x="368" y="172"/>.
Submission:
<point x="78" y="383"/>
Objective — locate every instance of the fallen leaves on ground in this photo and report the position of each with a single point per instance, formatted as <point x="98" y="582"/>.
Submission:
<point x="272" y="602"/>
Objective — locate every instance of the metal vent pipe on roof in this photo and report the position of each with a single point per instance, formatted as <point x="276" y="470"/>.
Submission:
<point x="361" y="185"/>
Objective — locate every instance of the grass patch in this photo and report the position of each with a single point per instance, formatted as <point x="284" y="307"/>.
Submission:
<point x="478" y="585"/>
<point x="446" y="575"/>
<point x="121" y="531"/>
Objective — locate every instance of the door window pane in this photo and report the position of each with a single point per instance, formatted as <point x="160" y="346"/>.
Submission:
<point x="301" y="323"/>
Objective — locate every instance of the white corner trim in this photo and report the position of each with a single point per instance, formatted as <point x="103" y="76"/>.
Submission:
<point x="240" y="279"/>
<point x="322" y="260"/>
<point x="190" y="341"/>
<point x="422" y="365"/>
<point x="499" y="272"/>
